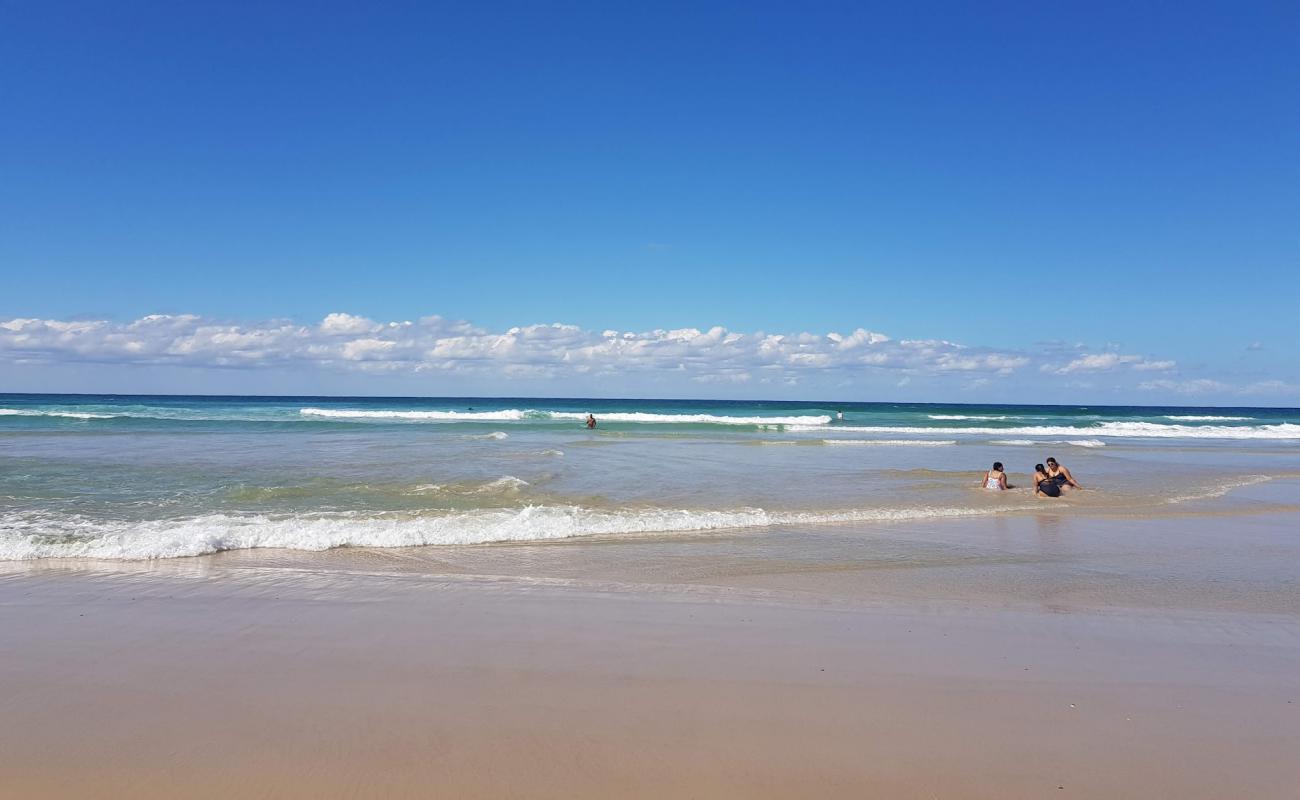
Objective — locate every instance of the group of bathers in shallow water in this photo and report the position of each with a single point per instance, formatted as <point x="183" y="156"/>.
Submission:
<point x="1049" y="480"/>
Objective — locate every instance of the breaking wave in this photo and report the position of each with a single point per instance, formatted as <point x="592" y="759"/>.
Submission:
<point x="29" y="535"/>
<point x="688" y="419"/>
<point x="24" y="412"/>
<point x="1145" y="430"/>
<point x="513" y="414"/>
<point x="1041" y="442"/>
<point x="894" y="442"/>
<point x="506" y="415"/>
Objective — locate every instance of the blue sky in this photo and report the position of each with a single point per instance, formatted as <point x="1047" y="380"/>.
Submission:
<point x="1041" y="181"/>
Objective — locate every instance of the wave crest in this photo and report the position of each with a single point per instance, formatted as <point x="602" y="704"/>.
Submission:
<point x="428" y="416"/>
<point x="1143" y="430"/>
<point x="894" y="442"/>
<point x="514" y="414"/>
<point x="27" y="412"/>
<point x="29" y="536"/>
<point x="1043" y="442"/>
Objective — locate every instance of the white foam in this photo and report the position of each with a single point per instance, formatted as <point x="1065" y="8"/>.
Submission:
<point x="964" y="416"/>
<point x="26" y="412"/>
<point x="25" y="536"/>
<point x="1221" y="489"/>
<point x="509" y="414"/>
<point x="894" y="442"/>
<point x="514" y="415"/>
<point x="1145" y="430"/>
<point x="1159" y="431"/>
<point x="162" y="414"/>
<point x="687" y="419"/>
<point x="498" y="435"/>
<point x="1197" y="418"/>
<point x="1043" y="442"/>
<point x="505" y="482"/>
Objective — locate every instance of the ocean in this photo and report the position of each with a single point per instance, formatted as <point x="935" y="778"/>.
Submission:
<point x="147" y="477"/>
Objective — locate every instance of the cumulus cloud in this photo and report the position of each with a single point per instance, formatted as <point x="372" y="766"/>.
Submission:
<point x="348" y="342"/>
<point x="345" y="324"/>
<point x="1196" y="386"/>
<point x="1094" y="362"/>
<point x="1202" y="386"/>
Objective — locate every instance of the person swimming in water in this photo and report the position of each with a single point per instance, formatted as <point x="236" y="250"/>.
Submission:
<point x="1061" y="475"/>
<point x="591" y="422"/>
<point x="1044" y="485"/>
<point x="996" y="478"/>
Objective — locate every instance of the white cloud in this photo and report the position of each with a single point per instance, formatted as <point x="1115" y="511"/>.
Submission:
<point x="345" y="342"/>
<point x="1097" y="362"/>
<point x="1271" y="387"/>
<point x="1196" y="386"/>
<point x="1201" y="386"/>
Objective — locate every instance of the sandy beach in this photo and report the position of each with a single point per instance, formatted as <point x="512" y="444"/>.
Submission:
<point x="1027" y="657"/>
<point x="690" y="401"/>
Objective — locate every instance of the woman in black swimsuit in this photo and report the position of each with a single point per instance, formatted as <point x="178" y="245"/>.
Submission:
<point x="1044" y="484"/>
<point x="1061" y="475"/>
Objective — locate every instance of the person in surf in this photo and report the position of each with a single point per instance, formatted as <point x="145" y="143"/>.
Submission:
<point x="996" y="478"/>
<point x="591" y="422"/>
<point x="1044" y="485"/>
<point x="1061" y="475"/>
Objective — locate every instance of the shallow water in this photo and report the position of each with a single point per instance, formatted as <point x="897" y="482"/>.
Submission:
<point x="148" y="477"/>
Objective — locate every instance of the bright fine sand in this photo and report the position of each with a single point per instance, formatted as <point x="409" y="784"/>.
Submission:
<point x="1026" y="657"/>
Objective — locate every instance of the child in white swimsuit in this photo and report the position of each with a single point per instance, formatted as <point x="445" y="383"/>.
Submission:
<point x="995" y="478"/>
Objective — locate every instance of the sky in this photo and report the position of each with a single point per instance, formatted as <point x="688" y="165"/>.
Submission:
<point x="958" y="202"/>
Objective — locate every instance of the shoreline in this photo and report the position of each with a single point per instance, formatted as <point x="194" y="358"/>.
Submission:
<point x="1228" y="559"/>
<point x="974" y="659"/>
<point x="1259" y="496"/>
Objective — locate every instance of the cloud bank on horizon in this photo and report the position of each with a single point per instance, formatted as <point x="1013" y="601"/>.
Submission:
<point x="534" y="357"/>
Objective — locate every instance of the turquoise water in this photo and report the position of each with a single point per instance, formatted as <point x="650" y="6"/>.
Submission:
<point x="40" y="410"/>
<point x="149" y="477"/>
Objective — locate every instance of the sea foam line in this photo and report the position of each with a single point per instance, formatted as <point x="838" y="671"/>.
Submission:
<point x="1146" y="430"/>
<point x="1042" y="442"/>
<point x="687" y="419"/>
<point x="517" y="414"/>
<point x="24" y="412"/>
<point x="509" y="414"/>
<point x="1221" y="489"/>
<point x="894" y="442"/>
<point x="25" y="536"/>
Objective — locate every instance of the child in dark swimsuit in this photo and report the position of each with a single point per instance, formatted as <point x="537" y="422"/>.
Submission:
<point x="1045" y="485"/>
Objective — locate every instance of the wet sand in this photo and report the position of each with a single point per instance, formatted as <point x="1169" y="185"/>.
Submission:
<point x="1018" y="658"/>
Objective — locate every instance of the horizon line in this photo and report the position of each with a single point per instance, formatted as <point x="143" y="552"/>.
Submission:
<point x="818" y="403"/>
